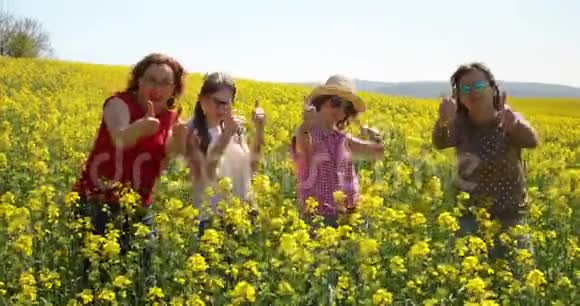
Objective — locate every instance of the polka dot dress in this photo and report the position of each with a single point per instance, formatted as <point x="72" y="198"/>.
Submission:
<point x="497" y="170"/>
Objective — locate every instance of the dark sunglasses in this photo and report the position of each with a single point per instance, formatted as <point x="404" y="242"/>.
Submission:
<point x="336" y="101"/>
<point x="466" y="89"/>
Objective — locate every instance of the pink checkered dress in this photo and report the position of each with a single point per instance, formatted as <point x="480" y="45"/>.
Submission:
<point x="329" y="169"/>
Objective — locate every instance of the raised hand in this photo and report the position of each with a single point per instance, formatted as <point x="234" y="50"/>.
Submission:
<point x="508" y="117"/>
<point x="150" y="123"/>
<point x="232" y="123"/>
<point x="371" y="133"/>
<point x="258" y="116"/>
<point x="308" y="116"/>
<point x="447" y="109"/>
<point x="180" y="133"/>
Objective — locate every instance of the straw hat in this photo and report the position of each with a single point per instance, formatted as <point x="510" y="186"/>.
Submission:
<point x="339" y="85"/>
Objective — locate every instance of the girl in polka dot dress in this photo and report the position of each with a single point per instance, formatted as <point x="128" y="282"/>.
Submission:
<point x="488" y="137"/>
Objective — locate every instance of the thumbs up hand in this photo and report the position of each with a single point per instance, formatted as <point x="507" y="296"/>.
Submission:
<point x="150" y="124"/>
<point x="259" y="116"/>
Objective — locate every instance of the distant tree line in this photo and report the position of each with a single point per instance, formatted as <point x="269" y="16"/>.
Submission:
<point x="23" y="37"/>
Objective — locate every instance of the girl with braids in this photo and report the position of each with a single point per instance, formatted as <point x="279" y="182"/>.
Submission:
<point x="488" y="137"/>
<point x="217" y="146"/>
<point x="323" y="153"/>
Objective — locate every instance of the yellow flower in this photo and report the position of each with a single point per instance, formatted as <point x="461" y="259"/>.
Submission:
<point x="339" y="197"/>
<point x="520" y="230"/>
<point x="141" y="230"/>
<point x="536" y="212"/>
<point x="212" y="237"/>
<point x="173" y="204"/>
<point x="565" y="283"/>
<point x="107" y="295"/>
<point x="225" y="185"/>
<point x="71" y="199"/>
<point x="476" y="288"/>
<point x="288" y="245"/>
<point x="86" y="296"/>
<point x="418" y="220"/>
<point x="535" y="280"/>
<point x="368" y="272"/>
<point x="243" y="293"/>
<point x="524" y="257"/>
<point x="419" y="250"/>
<point x="310" y="205"/>
<point x="343" y="282"/>
<point x="285" y="289"/>
<point x="448" y="222"/>
<point x="24" y="244"/>
<point x="2" y="289"/>
<point x="122" y="282"/>
<point x="328" y="237"/>
<point x="447" y="271"/>
<point x="253" y="267"/>
<point x="155" y="293"/>
<point x="476" y="245"/>
<point x="397" y="265"/>
<point x="177" y="301"/>
<point x="483" y="303"/>
<point x="368" y="247"/>
<point x="195" y="300"/>
<point x="196" y="263"/>
<point x="433" y="187"/>
<point x="470" y="265"/>
<point x="382" y="297"/>
<point x="506" y="239"/>
<point x="49" y="278"/>
<point x="27" y="279"/>
<point x="551" y="235"/>
<point x="111" y="248"/>
<point x="53" y="213"/>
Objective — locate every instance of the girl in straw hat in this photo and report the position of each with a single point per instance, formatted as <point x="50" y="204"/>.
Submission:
<point x="323" y="153"/>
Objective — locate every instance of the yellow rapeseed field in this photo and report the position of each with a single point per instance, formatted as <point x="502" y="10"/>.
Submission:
<point x="398" y="248"/>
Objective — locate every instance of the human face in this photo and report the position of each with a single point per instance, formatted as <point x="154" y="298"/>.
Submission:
<point x="217" y="105"/>
<point x="475" y="93"/>
<point x="157" y="84"/>
<point x="337" y="109"/>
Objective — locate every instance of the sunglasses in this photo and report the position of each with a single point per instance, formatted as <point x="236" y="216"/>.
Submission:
<point x="466" y="89"/>
<point x="348" y="107"/>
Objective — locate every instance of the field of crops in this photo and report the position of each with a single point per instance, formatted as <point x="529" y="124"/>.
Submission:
<point x="398" y="248"/>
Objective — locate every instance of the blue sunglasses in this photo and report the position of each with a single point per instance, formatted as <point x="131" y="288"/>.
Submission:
<point x="465" y="89"/>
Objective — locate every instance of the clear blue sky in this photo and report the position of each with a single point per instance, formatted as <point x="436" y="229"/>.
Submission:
<point x="307" y="40"/>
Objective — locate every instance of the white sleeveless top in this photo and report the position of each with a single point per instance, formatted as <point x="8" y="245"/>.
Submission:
<point x="235" y="163"/>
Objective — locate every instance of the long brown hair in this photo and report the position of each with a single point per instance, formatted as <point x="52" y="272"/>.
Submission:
<point x="159" y="59"/>
<point x="212" y="83"/>
<point x="463" y="70"/>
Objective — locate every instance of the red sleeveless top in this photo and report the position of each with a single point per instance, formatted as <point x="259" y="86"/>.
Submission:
<point x="137" y="167"/>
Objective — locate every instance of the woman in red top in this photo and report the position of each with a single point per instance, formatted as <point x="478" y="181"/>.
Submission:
<point x="139" y="131"/>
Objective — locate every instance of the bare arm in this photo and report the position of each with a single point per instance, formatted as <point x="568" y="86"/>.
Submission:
<point x="303" y="141"/>
<point x="125" y="134"/>
<point x="362" y="147"/>
<point x="256" y="149"/>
